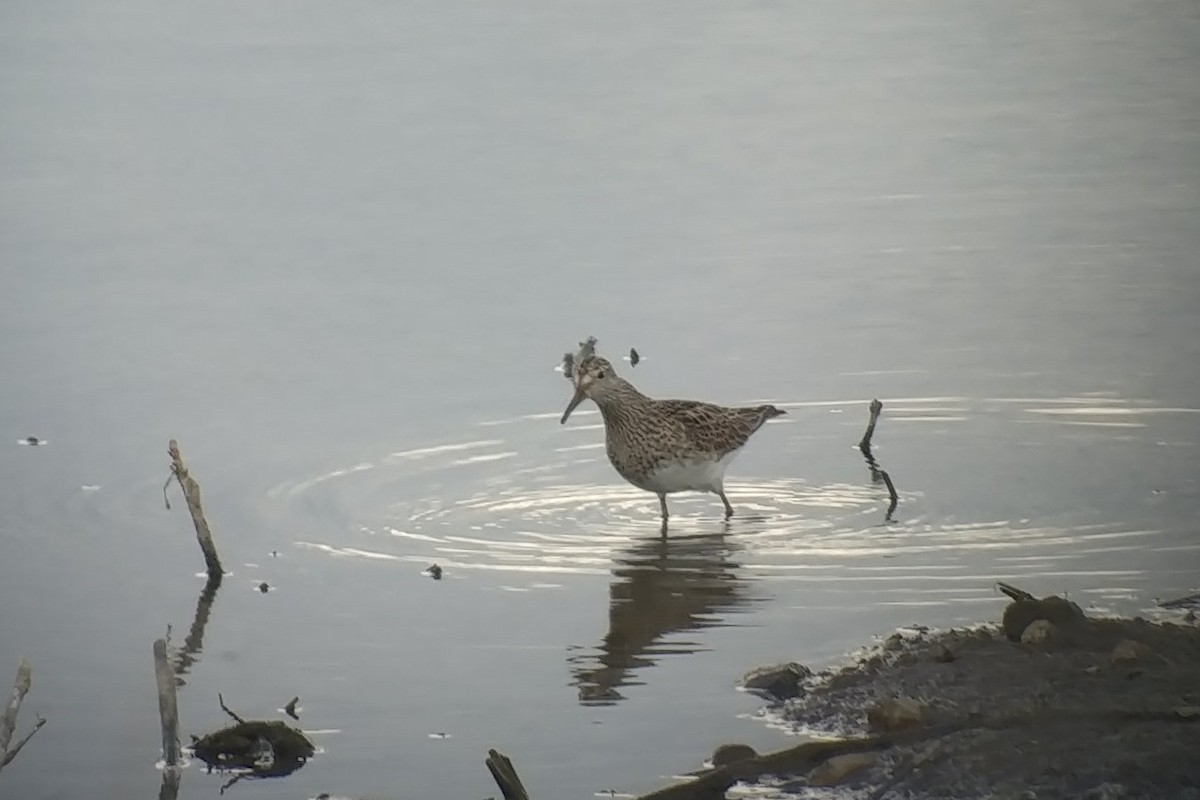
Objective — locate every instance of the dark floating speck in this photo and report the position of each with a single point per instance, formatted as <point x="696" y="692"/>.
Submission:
<point x="32" y="441"/>
<point x="434" y="572"/>
<point x="274" y="554"/>
<point x="634" y="358"/>
<point x="264" y="587"/>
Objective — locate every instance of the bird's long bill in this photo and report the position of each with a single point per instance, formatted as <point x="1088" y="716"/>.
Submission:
<point x="575" y="401"/>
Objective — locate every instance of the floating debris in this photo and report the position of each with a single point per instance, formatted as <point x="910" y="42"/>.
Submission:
<point x="634" y="358"/>
<point x="586" y="349"/>
<point x="274" y="554"/>
<point x="290" y="708"/>
<point x="439" y="735"/>
<point x="266" y="749"/>
<point x="33" y="441"/>
<point x="264" y="587"/>
<point x="434" y="571"/>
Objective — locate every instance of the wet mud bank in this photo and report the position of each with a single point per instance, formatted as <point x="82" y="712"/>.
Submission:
<point x="1046" y="704"/>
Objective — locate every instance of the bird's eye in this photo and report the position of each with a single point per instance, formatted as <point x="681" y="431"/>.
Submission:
<point x="600" y="375"/>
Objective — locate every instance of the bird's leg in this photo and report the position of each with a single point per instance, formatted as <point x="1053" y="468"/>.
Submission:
<point x="662" y="501"/>
<point x="725" y="500"/>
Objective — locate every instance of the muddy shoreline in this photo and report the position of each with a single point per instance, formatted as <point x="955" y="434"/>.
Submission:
<point x="1047" y="703"/>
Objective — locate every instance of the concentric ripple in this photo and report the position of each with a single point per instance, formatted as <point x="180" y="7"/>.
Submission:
<point x="530" y="496"/>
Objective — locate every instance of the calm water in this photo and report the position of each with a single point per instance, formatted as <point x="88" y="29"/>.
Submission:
<point x="337" y="250"/>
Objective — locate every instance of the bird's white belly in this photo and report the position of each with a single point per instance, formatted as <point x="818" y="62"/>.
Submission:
<point x="690" y="475"/>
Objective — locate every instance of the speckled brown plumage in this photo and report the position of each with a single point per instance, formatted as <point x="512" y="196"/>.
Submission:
<point x="665" y="446"/>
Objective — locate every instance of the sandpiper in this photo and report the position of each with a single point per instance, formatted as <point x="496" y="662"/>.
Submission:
<point x="665" y="446"/>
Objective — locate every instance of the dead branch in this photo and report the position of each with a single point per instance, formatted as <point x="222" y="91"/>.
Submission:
<point x="191" y="493"/>
<point x="8" y="723"/>
<point x="20" y="687"/>
<point x="168" y="704"/>
<point x="865" y="444"/>
<point x="9" y="755"/>
<point x="225" y="708"/>
<point x="505" y="776"/>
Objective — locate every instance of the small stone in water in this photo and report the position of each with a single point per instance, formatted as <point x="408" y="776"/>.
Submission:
<point x="434" y="572"/>
<point x="634" y="358"/>
<point x="33" y="441"/>
<point x="264" y="587"/>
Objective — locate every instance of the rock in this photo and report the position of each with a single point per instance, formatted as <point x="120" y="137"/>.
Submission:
<point x="894" y="642"/>
<point x="1187" y="712"/>
<point x="780" y="681"/>
<point x="941" y="654"/>
<point x="838" y="768"/>
<point x="732" y="754"/>
<point x="1128" y="650"/>
<point x="1039" y="632"/>
<point x="895" y="714"/>
<point x="1020" y="613"/>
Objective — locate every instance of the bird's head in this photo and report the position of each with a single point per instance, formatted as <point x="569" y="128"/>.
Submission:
<point x="594" y="379"/>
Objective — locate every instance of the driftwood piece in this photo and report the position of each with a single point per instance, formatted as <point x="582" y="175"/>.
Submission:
<point x="506" y="776"/>
<point x="191" y="493"/>
<point x="20" y="688"/>
<point x="168" y="705"/>
<point x="865" y="443"/>
<point x="264" y="748"/>
<point x="8" y="722"/>
<point x="878" y="473"/>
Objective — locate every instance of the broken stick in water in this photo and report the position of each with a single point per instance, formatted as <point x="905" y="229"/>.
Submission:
<point x="895" y="498"/>
<point x="191" y="493"/>
<point x="168" y="706"/>
<point x="506" y="776"/>
<point x="865" y="444"/>
<point x="878" y="474"/>
<point x="8" y="723"/>
<point x="225" y="708"/>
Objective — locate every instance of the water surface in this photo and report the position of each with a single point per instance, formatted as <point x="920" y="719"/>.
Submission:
<point x="337" y="252"/>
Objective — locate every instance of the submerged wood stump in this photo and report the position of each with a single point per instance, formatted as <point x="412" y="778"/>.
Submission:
<point x="265" y="748"/>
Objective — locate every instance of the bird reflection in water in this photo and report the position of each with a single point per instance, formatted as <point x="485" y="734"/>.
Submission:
<point x="661" y="586"/>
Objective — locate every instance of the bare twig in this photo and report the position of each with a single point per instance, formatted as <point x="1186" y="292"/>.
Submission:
<point x="20" y="687"/>
<point x="225" y="708"/>
<point x="878" y="473"/>
<point x="168" y="705"/>
<point x="865" y="444"/>
<point x="9" y="755"/>
<point x="506" y="776"/>
<point x="8" y="722"/>
<point x="191" y="493"/>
